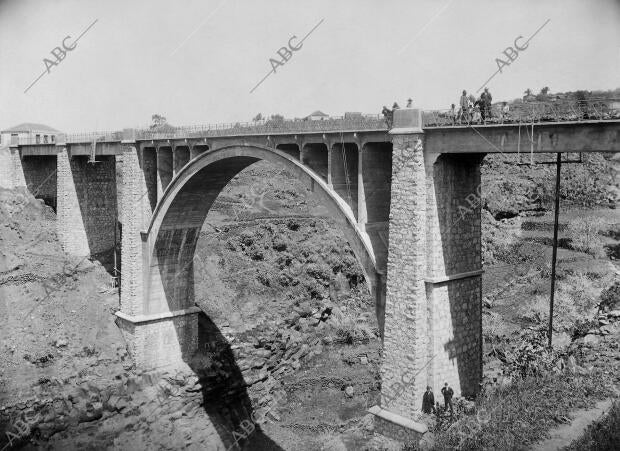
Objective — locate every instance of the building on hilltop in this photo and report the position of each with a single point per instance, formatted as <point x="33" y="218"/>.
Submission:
<point x="35" y="133"/>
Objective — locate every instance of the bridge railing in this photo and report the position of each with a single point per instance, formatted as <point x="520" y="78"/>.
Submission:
<point x="361" y="122"/>
<point x="519" y="113"/>
<point x="74" y="138"/>
<point x="94" y="136"/>
<point x="530" y="113"/>
<point x="25" y="140"/>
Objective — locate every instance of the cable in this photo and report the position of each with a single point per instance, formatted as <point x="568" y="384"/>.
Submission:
<point x="346" y="169"/>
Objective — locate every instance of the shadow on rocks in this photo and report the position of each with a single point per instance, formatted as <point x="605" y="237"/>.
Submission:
<point x="224" y="392"/>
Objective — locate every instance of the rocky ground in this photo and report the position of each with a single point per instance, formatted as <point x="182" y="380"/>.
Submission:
<point x="294" y="337"/>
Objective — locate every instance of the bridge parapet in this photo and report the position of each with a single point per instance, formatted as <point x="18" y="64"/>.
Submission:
<point x="520" y="113"/>
<point x="532" y="113"/>
<point x="357" y="123"/>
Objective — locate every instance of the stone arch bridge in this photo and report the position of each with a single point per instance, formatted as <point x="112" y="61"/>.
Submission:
<point x="399" y="196"/>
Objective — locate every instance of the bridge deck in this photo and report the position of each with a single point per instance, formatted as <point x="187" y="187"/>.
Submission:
<point x="596" y="120"/>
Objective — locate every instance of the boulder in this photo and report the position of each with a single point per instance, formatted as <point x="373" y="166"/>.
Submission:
<point x="561" y="340"/>
<point x="61" y="343"/>
<point x="348" y="391"/>
<point x="591" y="340"/>
<point x="606" y="330"/>
<point x="91" y="412"/>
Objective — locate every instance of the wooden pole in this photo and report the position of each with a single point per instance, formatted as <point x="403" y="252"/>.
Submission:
<point x="555" y="243"/>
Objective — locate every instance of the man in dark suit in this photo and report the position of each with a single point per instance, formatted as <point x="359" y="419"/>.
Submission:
<point x="428" y="401"/>
<point x="448" y="393"/>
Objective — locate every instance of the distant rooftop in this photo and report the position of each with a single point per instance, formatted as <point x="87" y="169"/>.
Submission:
<point x="318" y="113"/>
<point x="30" y="127"/>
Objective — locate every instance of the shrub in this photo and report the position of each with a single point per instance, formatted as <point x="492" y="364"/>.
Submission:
<point x="584" y="236"/>
<point x="492" y="326"/>
<point x="532" y="357"/>
<point x="575" y="302"/>
<point x="349" y="330"/>
<point x="610" y="297"/>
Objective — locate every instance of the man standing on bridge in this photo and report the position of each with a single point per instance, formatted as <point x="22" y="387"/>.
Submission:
<point x="464" y="107"/>
<point x="485" y="107"/>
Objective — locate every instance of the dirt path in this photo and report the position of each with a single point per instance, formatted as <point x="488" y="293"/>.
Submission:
<point x="566" y="434"/>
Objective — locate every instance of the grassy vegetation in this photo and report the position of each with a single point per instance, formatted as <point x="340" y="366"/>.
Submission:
<point x="604" y="435"/>
<point x="576" y="301"/>
<point x="520" y="414"/>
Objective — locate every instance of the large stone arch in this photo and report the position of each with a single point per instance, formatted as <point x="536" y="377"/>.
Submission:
<point x="176" y="222"/>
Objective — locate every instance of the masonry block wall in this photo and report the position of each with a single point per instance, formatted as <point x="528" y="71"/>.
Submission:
<point x="454" y="264"/>
<point x="86" y="204"/>
<point x="454" y="211"/>
<point x="17" y="172"/>
<point x="6" y="165"/>
<point x="161" y="343"/>
<point x="134" y="216"/>
<point x="455" y="325"/>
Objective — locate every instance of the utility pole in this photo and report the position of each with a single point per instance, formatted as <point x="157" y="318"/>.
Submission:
<point x="555" y="243"/>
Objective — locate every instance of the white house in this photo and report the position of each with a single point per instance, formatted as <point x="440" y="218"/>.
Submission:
<point x="317" y="116"/>
<point x="36" y="133"/>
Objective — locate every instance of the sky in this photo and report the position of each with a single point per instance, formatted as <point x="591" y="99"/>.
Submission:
<point x="196" y="61"/>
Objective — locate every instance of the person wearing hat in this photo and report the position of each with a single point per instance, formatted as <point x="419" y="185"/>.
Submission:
<point x="448" y="393"/>
<point x="409" y="103"/>
<point x="428" y="400"/>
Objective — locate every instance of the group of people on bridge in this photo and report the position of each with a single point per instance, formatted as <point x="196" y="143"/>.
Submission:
<point x="477" y="111"/>
<point x="469" y="110"/>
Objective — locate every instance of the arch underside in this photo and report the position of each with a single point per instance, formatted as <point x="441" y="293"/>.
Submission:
<point x="179" y="217"/>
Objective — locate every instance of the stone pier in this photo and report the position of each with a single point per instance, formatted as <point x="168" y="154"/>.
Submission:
<point x="433" y="302"/>
<point x="158" y="334"/>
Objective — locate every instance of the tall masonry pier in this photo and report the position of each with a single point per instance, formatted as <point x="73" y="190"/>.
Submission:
<point x="433" y="315"/>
